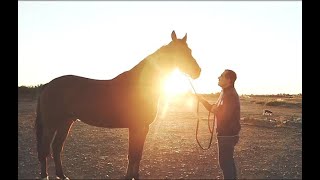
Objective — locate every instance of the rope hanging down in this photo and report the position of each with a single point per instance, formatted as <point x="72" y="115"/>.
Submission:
<point x="198" y="119"/>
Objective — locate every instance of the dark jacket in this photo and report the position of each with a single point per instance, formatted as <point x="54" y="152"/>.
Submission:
<point x="227" y="113"/>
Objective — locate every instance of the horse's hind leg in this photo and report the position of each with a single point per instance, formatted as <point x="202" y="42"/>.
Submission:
<point x="44" y="150"/>
<point x="137" y="138"/>
<point x="57" y="146"/>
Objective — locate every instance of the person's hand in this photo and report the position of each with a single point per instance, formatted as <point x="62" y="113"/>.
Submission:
<point x="214" y="108"/>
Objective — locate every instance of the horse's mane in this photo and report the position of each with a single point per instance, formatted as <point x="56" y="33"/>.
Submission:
<point x="138" y="68"/>
<point x="150" y="57"/>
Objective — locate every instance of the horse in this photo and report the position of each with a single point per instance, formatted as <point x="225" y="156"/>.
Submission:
<point x="129" y="100"/>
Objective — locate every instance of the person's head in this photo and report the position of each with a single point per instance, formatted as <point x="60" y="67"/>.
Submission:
<point x="227" y="78"/>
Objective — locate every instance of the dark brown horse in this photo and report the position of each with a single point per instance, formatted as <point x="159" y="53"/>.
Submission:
<point x="129" y="100"/>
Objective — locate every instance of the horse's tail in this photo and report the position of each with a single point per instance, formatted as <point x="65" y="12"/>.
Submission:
<point x="38" y="123"/>
<point x="38" y="126"/>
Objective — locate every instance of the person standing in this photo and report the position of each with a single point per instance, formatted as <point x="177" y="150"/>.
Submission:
<point x="227" y="126"/>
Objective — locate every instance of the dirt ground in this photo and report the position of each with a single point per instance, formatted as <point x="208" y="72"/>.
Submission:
<point x="269" y="147"/>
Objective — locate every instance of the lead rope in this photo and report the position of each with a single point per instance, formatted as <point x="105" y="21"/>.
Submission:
<point x="198" y="119"/>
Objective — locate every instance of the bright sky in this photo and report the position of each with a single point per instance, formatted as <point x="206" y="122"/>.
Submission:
<point x="260" y="40"/>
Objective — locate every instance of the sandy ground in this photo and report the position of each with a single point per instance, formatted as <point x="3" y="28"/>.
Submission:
<point x="269" y="147"/>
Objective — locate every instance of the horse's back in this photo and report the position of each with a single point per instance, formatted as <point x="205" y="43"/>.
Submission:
<point x="63" y="93"/>
<point x="73" y="80"/>
<point x="107" y="103"/>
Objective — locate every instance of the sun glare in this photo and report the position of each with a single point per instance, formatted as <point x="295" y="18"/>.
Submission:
<point x="176" y="84"/>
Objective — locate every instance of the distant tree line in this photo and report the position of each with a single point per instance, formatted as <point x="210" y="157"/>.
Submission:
<point x="29" y="92"/>
<point x="32" y="92"/>
<point x="281" y="95"/>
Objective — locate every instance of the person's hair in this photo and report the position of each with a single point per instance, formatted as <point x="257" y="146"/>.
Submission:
<point x="231" y="75"/>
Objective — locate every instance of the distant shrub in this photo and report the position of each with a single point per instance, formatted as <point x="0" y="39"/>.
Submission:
<point x="283" y="104"/>
<point x="260" y="102"/>
<point x="281" y="95"/>
<point x="275" y="103"/>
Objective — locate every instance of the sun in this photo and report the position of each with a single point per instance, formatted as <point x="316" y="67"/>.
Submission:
<point x="176" y="84"/>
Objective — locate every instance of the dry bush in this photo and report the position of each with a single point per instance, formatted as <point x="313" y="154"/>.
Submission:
<point x="283" y="104"/>
<point x="260" y="102"/>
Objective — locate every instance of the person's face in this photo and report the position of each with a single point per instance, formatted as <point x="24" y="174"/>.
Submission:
<point x="223" y="80"/>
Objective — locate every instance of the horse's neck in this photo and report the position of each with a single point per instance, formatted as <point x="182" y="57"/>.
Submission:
<point x="152" y="70"/>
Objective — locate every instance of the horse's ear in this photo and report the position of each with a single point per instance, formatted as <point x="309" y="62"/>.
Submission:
<point x="185" y="38"/>
<point x="173" y="36"/>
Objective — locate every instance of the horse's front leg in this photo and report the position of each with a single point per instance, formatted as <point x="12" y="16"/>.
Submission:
<point x="137" y="137"/>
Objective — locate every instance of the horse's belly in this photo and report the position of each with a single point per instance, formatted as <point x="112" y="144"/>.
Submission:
<point x="106" y="123"/>
<point x="119" y="119"/>
<point x="115" y="107"/>
<point x="108" y="120"/>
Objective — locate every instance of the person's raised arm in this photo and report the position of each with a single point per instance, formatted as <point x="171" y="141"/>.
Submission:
<point x="205" y="103"/>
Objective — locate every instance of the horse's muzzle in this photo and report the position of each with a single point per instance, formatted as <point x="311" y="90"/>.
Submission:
<point x="196" y="75"/>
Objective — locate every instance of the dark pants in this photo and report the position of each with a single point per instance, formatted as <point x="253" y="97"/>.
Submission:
<point x="226" y="160"/>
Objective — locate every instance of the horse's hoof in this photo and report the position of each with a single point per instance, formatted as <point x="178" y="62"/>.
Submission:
<point x="45" y="178"/>
<point x="125" y="178"/>
<point x="131" y="178"/>
<point x="62" y="178"/>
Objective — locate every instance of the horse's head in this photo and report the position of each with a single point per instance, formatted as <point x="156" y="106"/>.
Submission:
<point x="180" y="55"/>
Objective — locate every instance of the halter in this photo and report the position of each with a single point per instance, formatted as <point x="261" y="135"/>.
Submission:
<point x="198" y="119"/>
